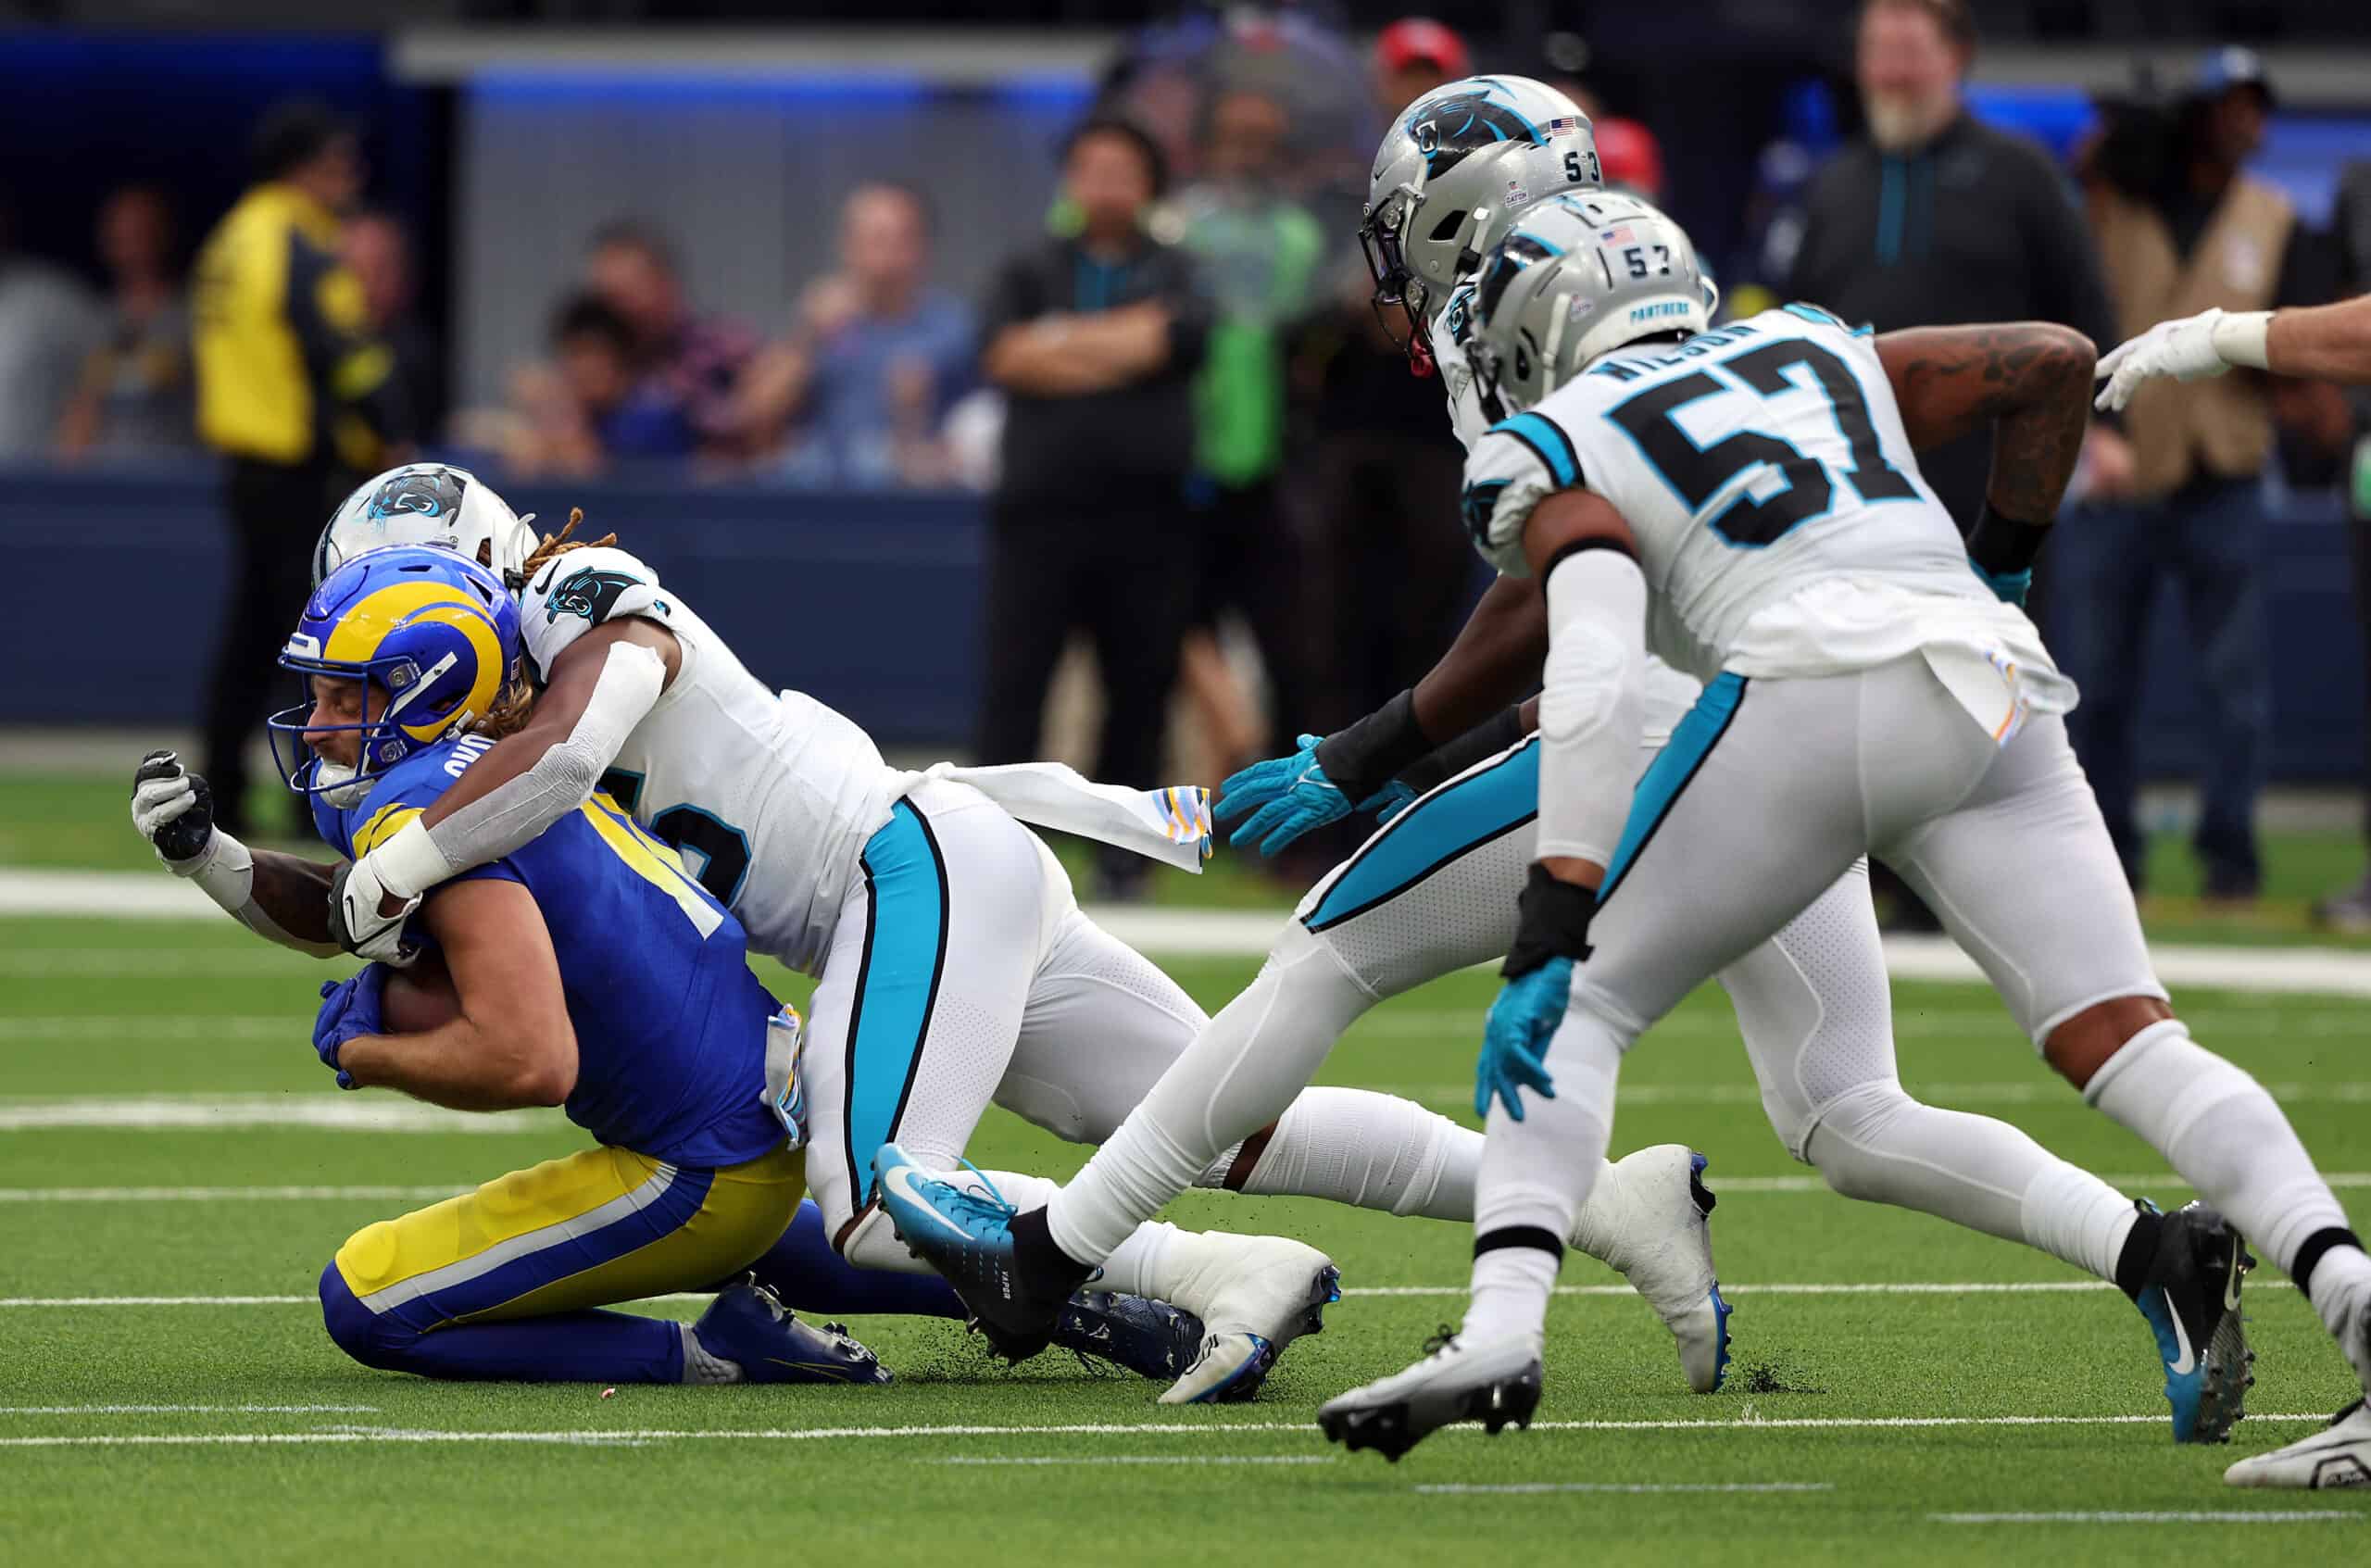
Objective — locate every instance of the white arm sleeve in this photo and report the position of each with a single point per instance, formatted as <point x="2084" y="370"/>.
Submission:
<point x="416" y="858"/>
<point x="1592" y="713"/>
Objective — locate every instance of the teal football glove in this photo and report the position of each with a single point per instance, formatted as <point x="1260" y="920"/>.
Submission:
<point x="1289" y="797"/>
<point x="1514" y="1042"/>
<point x="2009" y="588"/>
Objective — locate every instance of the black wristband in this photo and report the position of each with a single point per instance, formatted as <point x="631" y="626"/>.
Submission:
<point x="1486" y="739"/>
<point x="1553" y="922"/>
<point x="1363" y="758"/>
<point x="2003" y="544"/>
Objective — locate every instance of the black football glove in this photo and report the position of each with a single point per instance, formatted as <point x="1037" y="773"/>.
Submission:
<point x="173" y="808"/>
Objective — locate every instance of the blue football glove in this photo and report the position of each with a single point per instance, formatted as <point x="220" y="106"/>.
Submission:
<point x="1514" y="1042"/>
<point x="1286" y="797"/>
<point x="349" y="1007"/>
<point x="2009" y="588"/>
<point x="1291" y="796"/>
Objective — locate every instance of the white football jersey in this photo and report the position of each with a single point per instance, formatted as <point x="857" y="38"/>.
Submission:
<point x="1752" y="463"/>
<point x="771" y="797"/>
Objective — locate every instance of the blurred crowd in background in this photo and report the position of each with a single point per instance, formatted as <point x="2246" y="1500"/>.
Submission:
<point x="1188" y="423"/>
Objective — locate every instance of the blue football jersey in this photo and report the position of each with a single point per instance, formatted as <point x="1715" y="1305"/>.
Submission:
<point x="670" y="1026"/>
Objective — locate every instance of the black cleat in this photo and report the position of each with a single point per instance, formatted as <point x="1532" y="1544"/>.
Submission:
<point x="966" y="1237"/>
<point x="1150" y="1338"/>
<point x="2191" y="1301"/>
<point x="1497" y="1385"/>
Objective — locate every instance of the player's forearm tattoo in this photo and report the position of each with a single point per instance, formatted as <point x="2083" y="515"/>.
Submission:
<point x="295" y="893"/>
<point x="2031" y="380"/>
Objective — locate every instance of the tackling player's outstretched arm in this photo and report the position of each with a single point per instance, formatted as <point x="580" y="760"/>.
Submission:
<point x="511" y="1043"/>
<point x="601" y="686"/>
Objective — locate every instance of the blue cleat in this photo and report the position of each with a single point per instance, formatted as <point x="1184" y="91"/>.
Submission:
<point x="966" y="1237"/>
<point x="1150" y="1338"/>
<point x="749" y="1326"/>
<point x="2191" y="1302"/>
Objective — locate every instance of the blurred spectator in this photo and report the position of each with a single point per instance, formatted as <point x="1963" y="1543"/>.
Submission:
<point x="590" y="406"/>
<point x="137" y="396"/>
<point x="1095" y="340"/>
<point x="1629" y="157"/>
<point x="377" y="252"/>
<point x="876" y="359"/>
<point x="1414" y="55"/>
<point x="2351" y="909"/>
<point x="293" y="391"/>
<point x="48" y="326"/>
<point x="1932" y="216"/>
<point x="696" y="361"/>
<point x="2182" y="230"/>
<point x="1258" y="254"/>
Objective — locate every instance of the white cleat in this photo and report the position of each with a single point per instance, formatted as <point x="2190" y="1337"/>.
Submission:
<point x="1494" y="1382"/>
<point x="1661" y="1242"/>
<point x="1255" y="1295"/>
<point x="2339" y="1455"/>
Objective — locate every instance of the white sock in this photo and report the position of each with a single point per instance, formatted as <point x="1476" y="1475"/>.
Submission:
<point x="1598" y="1230"/>
<point x="701" y="1367"/>
<point x="2340" y="1281"/>
<point x="1537" y="1174"/>
<point x="2227" y="1137"/>
<point x="1239" y="1075"/>
<point x="1144" y="1264"/>
<point x="1876" y="1142"/>
<point x="1359" y="1148"/>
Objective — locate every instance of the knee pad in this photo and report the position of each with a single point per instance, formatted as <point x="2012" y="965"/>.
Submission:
<point x="355" y="1328"/>
<point x="1855" y="1121"/>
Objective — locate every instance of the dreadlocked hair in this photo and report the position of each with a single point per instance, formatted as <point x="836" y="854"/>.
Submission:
<point x="517" y="704"/>
<point x="558" y="545"/>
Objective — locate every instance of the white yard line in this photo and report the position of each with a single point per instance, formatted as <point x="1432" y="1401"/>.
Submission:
<point x="1882" y="1287"/>
<point x="151" y="896"/>
<point x="336" y="1112"/>
<point x="1531" y="1489"/>
<point x="2206" y="1516"/>
<point x="1135" y="1458"/>
<point x="1111" y="1429"/>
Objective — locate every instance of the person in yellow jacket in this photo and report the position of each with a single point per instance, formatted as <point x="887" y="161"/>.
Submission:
<point x="293" y="390"/>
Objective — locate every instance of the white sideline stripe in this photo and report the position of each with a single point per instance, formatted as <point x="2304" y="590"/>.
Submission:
<point x="2305" y="971"/>
<point x="1883" y="1288"/>
<point x="333" y="1113"/>
<point x="2046" y="1092"/>
<point x="1529" y="1488"/>
<point x="181" y="1410"/>
<point x="1137" y="1458"/>
<point x="1113" y="1429"/>
<point x="2214" y="1516"/>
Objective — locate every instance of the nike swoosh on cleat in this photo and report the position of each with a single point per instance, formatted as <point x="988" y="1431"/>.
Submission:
<point x="903" y="1179"/>
<point x="2186" y="1362"/>
<point x="2231" y="1284"/>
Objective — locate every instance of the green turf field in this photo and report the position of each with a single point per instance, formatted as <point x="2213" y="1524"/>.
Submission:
<point x="1874" y="1394"/>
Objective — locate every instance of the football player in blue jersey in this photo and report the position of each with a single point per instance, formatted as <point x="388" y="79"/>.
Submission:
<point x="586" y="970"/>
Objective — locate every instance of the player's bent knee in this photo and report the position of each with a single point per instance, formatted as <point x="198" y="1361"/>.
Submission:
<point x="2080" y="1046"/>
<point x="1851" y="1128"/>
<point x="356" y="1329"/>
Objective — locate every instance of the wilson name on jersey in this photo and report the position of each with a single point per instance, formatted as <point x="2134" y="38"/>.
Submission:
<point x="769" y="796"/>
<point x="1750" y="462"/>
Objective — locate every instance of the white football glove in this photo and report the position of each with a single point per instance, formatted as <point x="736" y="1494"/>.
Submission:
<point x="355" y="923"/>
<point x="2193" y="348"/>
<point x="173" y="809"/>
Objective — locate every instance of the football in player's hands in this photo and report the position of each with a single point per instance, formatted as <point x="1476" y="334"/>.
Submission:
<point x="421" y="998"/>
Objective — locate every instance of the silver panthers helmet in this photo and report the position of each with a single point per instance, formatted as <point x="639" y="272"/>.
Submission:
<point x="429" y="504"/>
<point x="1455" y="166"/>
<point x="1577" y="277"/>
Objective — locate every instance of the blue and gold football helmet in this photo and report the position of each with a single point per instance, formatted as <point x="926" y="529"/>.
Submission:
<point x="434" y="638"/>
